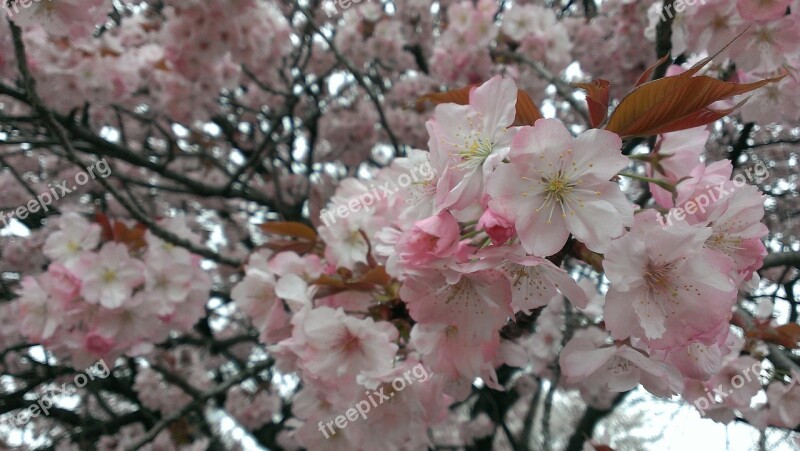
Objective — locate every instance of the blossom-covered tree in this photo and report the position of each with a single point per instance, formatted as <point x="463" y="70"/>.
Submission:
<point x="397" y="225"/>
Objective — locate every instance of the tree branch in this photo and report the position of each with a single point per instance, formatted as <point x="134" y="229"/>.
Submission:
<point x="782" y="259"/>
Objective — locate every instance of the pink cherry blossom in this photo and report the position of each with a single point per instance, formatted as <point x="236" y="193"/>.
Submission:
<point x="74" y="236"/>
<point x="468" y="141"/>
<point x="453" y="355"/>
<point x="681" y="153"/>
<point x="336" y="346"/>
<point x="434" y="238"/>
<point x="534" y="280"/>
<point x="63" y="285"/>
<point x="256" y="296"/>
<point x="167" y="283"/>
<point x="476" y="303"/>
<point x="737" y="229"/>
<point x="73" y="18"/>
<point x="496" y="226"/>
<point x="40" y="316"/>
<point x="662" y="287"/>
<point x="252" y="410"/>
<point x="286" y="263"/>
<point x="740" y="378"/>
<point x="556" y="185"/>
<point x="762" y="9"/>
<point x="764" y="46"/>
<point x="97" y="344"/>
<point x="618" y="368"/>
<point x="499" y="254"/>
<point x="701" y="180"/>
<point x="712" y="25"/>
<point x="110" y="276"/>
<point x="345" y="241"/>
<point x="784" y="402"/>
<point x="699" y="360"/>
<point x="420" y="403"/>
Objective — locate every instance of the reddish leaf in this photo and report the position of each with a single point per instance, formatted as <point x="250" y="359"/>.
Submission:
<point x="787" y="335"/>
<point x="597" y="98"/>
<point x="375" y="276"/>
<point x="458" y="96"/>
<point x="675" y="103"/>
<point x="646" y="75"/>
<point x="330" y="285"/>
<point x="325" y="280"/>
<point x="117" y="231"/>
<point x="290" y="229"/>
<point x="105" y="224"/>
<point x="161" y="65"/>
<point x="107" y="51"/>
<point x="133" y="237"/>
<point x="527" y="111"/>
<point x="297" y="246"/>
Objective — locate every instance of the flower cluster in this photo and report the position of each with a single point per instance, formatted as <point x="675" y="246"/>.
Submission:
<point x="101" y="298"/>
<point x="527" y="247"/>
<point x="437" y="272"/>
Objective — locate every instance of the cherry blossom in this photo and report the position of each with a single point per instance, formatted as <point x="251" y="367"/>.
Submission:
<point x="475" y="303"/>
<point x="663" y="288"/>
<point x="305" y="208"/>
<point x="468" y="141"/>
<point x="762" y="10"/>
<point x="556" y="185"/>
<point x="74" y="236"/>
<point x="330" y="343"/>
<point x="618" y="368"/>
<point x="433" y="238"/>
<point x="109" y="277"/>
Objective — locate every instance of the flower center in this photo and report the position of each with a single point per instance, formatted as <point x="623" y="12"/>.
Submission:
<point x="618" y="365"/>
<point x="476" y="152"/>
<point x="350" y="342"/>
<point x="109" y="275"/>
<point x="162" y="282"/>
<point x="558" y="190"/>
<point x="73" y="247"/>
<point x="719" y="23"/>
<point x="764" y="35"/>
<point x="724" y="243"/>
<point x="558" y="187"/>
<point x="656" y="278"/>
<point x="354" y="238"/>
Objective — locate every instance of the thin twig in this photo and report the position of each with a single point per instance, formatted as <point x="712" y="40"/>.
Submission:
<point x="59" y="132"/>
<point x="197" y="403"/>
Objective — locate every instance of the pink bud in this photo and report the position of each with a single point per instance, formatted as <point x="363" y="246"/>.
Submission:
<point x="496" y="226"/>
